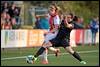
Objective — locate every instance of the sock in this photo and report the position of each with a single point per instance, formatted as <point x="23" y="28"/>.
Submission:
<point x="40" y="51"/>
<point x="44" y="55"/>
<point x="76" y="55"/>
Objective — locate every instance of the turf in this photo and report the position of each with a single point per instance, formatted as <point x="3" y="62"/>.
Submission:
<point x="92" y="58"/>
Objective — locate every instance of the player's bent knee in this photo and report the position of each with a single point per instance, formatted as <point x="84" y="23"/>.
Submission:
<point x="46" y="45"/>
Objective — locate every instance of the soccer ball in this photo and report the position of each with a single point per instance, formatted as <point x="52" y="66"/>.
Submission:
<point x="29" y="59"/>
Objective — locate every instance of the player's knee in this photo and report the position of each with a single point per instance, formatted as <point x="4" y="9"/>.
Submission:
<point x="69" y="49"/>
<point x="44" y="46"/>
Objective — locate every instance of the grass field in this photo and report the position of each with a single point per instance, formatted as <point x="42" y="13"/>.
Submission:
<point x="89" y="53"/>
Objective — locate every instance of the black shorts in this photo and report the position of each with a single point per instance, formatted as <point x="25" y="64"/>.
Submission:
<point x="60" y="42"/>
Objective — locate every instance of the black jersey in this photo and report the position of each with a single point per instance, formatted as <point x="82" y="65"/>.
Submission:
<point x="64" y="32"/>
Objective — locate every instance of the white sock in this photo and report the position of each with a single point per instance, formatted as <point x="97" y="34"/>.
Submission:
<point x="44" y="55"/>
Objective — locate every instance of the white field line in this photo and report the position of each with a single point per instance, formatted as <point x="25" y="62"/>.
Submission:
<point x="49" y="55"/>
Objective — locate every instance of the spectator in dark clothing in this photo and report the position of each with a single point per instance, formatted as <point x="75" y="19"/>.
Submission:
<point x="37" y="23"/>
<point x="11" y="10"/>
<point x="14" y="12"/>
<point x="17" y="17"/>
<point x="17" y="11"/>
<point x="5" y="7"/>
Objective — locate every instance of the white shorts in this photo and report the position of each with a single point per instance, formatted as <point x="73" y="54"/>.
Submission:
<point x="50" y="36"/>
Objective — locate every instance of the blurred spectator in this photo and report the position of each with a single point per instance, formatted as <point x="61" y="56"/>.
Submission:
<point x="12" y="9"/>
<point x="17" y="17"/>
<point x="97" y="21"/>
<point x="81" y="20"/>
<point x="8" y="25"/>
<point x="37" y="23"/>
<point x="13" y="22"/>
<point x="2" y="23"/>
<point x="3" y="19"/>
<point x="10" y="16"/>
<point x="94" y="26"/>
<point x="5" y="7"/>
<point x="3" y="15"/>
<point x="17" y="11"/>
<point x="42" y="22"/>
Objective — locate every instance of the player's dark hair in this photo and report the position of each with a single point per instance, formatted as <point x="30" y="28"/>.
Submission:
<point x="75" y="18"/>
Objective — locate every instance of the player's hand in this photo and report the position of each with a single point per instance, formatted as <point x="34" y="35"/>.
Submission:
<point x="66" y="22"/>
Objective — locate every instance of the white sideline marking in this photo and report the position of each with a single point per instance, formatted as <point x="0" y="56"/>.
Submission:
<point x="50" y="55"/>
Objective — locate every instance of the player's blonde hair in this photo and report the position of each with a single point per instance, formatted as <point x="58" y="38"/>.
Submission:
<point x="57" y="8"/>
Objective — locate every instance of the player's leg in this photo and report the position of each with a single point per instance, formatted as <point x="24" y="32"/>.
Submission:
<point x="38" y="53"/>
<point x="42" y="49"/>
<point x="48" y="37"/>
<point x="74" y="54"/>
<point x="44" y="59"/>
<point x="65" y="43"/>
<point x="56" y="51"/>
<point x="50" y="43"/>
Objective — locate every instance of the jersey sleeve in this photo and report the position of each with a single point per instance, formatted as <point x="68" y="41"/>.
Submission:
<point x="56" y="20"/>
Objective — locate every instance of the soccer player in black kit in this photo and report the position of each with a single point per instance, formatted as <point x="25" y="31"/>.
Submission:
<point x="62" y="39"/>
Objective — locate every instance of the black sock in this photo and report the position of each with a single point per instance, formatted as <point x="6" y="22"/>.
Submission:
<point x="40" y="51"/>
<point x="76" y="55"/>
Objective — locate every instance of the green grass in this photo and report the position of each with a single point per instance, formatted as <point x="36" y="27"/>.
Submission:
<point x="92" y="58"/>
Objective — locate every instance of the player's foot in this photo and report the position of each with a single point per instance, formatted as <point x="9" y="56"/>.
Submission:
<point x="83" y="62"/>
<point x="57" y="52"/>
<point x="34" y="59"/>
<point x="29" y="59"/>
<point x="30" y="62"/>
<point x="45" y="62"/>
